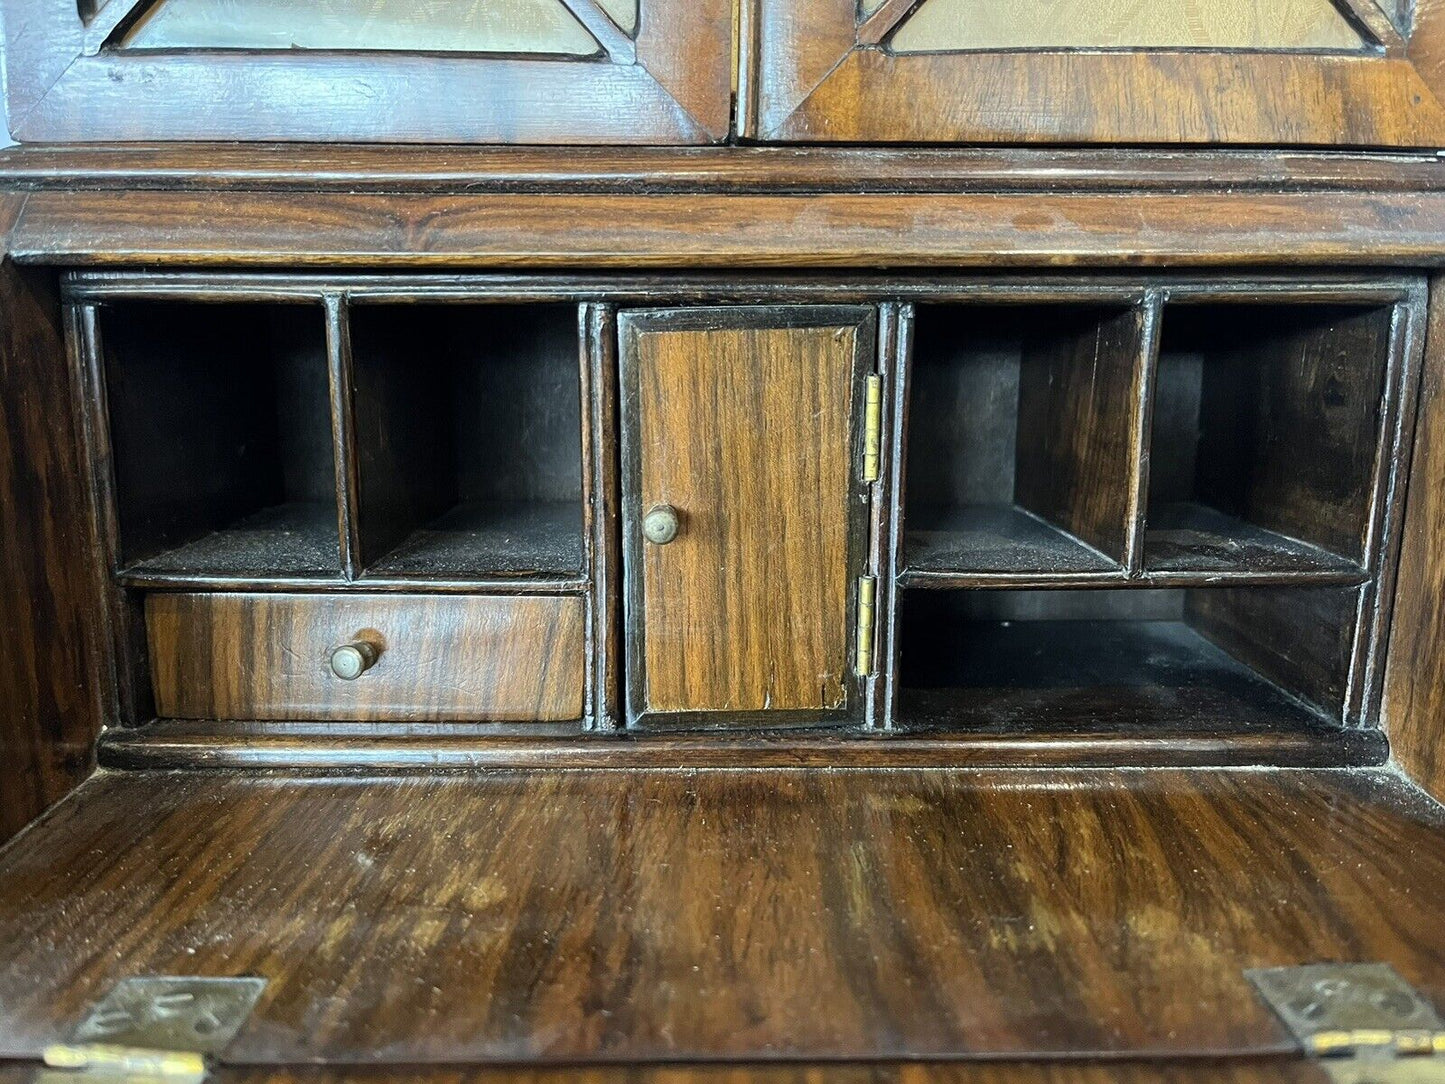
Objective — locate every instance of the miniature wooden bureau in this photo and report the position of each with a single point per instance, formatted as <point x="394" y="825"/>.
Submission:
<point x="599" y="538"/>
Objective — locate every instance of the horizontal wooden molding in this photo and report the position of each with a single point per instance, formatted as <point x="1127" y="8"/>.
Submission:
<point x="340" y="746"/>
<point x="738" y="170"/>
<point x="701" y="231"/>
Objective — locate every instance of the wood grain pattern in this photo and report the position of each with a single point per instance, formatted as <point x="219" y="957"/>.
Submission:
<point x="1200" y="742"/>
<point x="1278" y="1069"/>
<point x="1415" y="672"/>
<point x="660" y="916"/>
<point x="1185" y="97"/>
<point x="442" y="657"/>
<point x="677" y="91"/>
<point x="1079" y="401"/>
<point x="53" y="671"/>
<point x="660" y="170"/>
<point x="1316" y="383"/>
<point x="744" y="424"/>
<point x="832" y="230"/>
<point x="1301" y="638"/>
<point x="1273" y="417"/>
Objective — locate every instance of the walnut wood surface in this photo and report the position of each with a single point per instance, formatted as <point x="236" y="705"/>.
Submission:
<point x="676" y="91"/>
<point x="1027" y="97"/>
<point x="53" y="679"/>
<point x="1301" y="638"/>
<point x="1201" y="742"/>
<point x="816" y="76"/>
<point x="1415" y="677"/>
<point x="448" y="657"/>
<point x="1079" y="402"/>
<point x="1277" y="1069"/>
<point x="354" y="168"/>
<point x="748" y="915"/>
<point x="1290" y="417"/>
<point x="742" y="421"/>
<point x="830" y="230"/>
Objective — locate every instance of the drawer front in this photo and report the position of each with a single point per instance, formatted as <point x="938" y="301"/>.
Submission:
<point x="438" y="658"/>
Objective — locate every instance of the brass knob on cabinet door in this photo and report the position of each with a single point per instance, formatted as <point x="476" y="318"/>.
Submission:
<point x="660" y="525"/>
<point x="350" y="661"/>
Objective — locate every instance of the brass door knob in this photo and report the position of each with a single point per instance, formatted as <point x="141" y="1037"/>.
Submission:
<point x="350" y="661"/>
<point x="660" y="525"/>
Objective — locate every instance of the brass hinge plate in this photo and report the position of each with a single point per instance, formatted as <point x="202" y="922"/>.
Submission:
<point x="154" y="1028"/>
<point x="867" y="605"/>
<point x="873" y="430"/>
<point x="1364" y="1023"/>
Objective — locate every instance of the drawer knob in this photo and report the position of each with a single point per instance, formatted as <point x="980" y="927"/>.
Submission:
<point x="350" y="661"/>
<point x="660" y="525"/>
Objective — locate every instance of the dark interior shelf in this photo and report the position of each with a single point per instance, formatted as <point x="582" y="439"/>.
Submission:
<point x="222" y="449"/>
<point x="1104" y="675"/>
<point x="1000" y="538"/>
<point x="1019" y="438"/>
<point x="469" y="439"/>
<point x="294" y="539"/>
<point x="1188" y="537"/>
<point x="1265" y="437"/>
<point x="516" y="538"/>
<point x="1231" y="660"/>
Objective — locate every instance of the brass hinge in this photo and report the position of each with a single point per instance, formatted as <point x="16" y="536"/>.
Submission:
<point x="867" y="600"/>
<point x="155" y="1028"/>
<point x="1364" y="1023"/>
<point x="873" y="429"/>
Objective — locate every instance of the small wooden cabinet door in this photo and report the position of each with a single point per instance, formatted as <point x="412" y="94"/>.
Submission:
<point x="747" y="423"/>
<point x="1274" y="72"/>
<point x="398" y="71"/>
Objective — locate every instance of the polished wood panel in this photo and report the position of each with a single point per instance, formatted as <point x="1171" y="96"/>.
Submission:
<point x="743" y="421"/>
<point x="671" y="85"/>
<point x="833" y="230"/>
<point x="1276" y="98"/>
<point x="54" y="677"/>
<point x="745" y="915"/>
<point x="818" y="76"/>
<point x="1414" y="706"/>
<point x="448" y="657"/>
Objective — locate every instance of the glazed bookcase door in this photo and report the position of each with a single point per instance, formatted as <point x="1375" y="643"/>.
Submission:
<point x="1276" y="72"/>
<point x="470" y="71"/>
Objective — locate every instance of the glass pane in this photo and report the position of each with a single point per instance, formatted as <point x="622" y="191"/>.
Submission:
<point x="956" y="25"/>
<point x="868" y="7"/>
<point x="465" y="26"/>
<point x="624" y="13"/>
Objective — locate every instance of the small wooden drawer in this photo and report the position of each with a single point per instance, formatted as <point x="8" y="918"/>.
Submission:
<point x="447" y="658"/>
